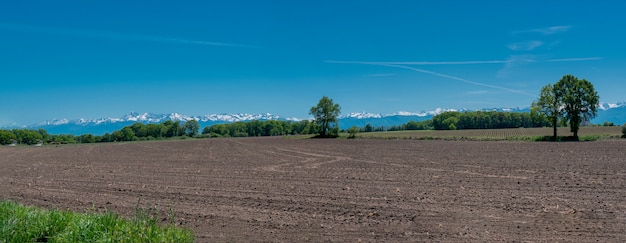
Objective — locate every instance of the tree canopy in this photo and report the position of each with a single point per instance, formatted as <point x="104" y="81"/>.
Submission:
<point x="325" y="114"/>
<point x="571" y="98"/>
<point x="548" y="106"/>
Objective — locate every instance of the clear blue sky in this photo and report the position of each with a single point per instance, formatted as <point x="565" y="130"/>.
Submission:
<point x="93" y="59"/>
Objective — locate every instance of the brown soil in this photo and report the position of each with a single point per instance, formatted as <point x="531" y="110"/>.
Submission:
<point x="290" y="190"/>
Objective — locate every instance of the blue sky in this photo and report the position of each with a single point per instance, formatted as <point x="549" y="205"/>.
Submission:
<point x="94" y="59"/>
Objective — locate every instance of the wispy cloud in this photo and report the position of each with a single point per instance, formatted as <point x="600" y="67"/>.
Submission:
<point x="477" y="92"/>
<point x="553" y="29"/>
<point x="421" y="63"/>
<point x="525" y="46"/>
<point x="575" y="59"/>
<point x="547" y="30"/>
<point x="112" y="35"/>
<point x="381" y="74"/>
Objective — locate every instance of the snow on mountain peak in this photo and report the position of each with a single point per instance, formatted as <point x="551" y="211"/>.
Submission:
<point x="54" y="122"/>
<point x="237" y="117"/>
<point x="608" y="106"/>
<point x="361" y="115"/>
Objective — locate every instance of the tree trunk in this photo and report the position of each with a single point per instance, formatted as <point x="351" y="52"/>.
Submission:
<point x="554" y="128"/>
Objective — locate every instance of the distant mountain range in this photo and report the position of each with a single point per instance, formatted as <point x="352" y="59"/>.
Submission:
<point x="611" y="112"/>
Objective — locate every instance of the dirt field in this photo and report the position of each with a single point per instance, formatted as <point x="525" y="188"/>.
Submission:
<point x="292" y="190"/>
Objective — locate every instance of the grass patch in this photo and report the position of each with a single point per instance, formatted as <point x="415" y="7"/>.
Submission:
<point x="19" y="223"/>
<point x="504" y="134"/>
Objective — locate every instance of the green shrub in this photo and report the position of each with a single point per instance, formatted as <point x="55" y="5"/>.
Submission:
<point x="624" y="131"/>
<point x="353" y="131"/>
<point x="30" y="224"/>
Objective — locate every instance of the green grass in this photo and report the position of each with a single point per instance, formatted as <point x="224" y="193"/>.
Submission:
<point x="505" y="134"/>
<point x="19" y="223"/>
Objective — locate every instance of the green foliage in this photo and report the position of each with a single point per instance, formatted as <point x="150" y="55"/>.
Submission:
<point x="453" y="120"/>
<point x="579" y="100"/>
<point x="353" y="131"/>
<point x="29" y="224"/>
<point x="368" y="128"/>
<point x="6" y="137"/>
<point x="191" y="128"/>
<point x="624" y="131"/>
<point x="548" y="107"/>
<point x="325" y="114"/>
<point x="414" y="125"/>
<point x="25" y="136"/>
<point x="259" y="128"/>
<point x="87" y="138"/>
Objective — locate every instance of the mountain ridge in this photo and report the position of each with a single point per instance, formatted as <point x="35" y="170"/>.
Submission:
<point x="611" y="112"/>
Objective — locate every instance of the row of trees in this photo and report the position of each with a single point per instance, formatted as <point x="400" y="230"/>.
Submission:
<point x="260" y="128"/>
<point x="414" y="125"/>
<point x="23" y="136"/>
<point x="167" y="129"/>
<point x="140" y="131"/>
<point x="137" y="131"/>
<point x="453" y="120"/>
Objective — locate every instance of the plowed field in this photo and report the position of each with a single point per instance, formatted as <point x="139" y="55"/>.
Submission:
<point x="293" y="190"/>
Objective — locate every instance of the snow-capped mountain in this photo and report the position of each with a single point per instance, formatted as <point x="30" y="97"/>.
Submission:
<point x="608" y="106"/>
<point x="611" y="112"/>
<point x="158" y="118"/>
<point x="365" y="115"/>
<point x="108" y="125"/>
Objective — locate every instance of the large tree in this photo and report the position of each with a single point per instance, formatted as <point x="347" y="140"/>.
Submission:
<point x="580" y="100"/>
<point x="325" y="114"/>
<point x="548" y="106"/>
<point x="571" y="98"/>
<point x="191" y="128"/>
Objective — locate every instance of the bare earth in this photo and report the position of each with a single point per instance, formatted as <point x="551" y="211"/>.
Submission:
<point x="292" y="190"/>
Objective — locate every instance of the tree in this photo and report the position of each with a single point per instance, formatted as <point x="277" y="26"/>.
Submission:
<point x="368" y="128"/>
<point x="191" y="128"/>
<point x="579" y="101"/>
<point x="139" y="129"/>
<point x="353" y="131"/>
<point x="6" y="137"/>
<point x="325" y="114"/>
<point x="548" y="106"/>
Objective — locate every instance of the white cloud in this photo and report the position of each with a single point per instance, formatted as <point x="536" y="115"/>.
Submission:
<point x="552" y="30"/>
<point x="525" y="46"/>
<point x="547" y="30"/>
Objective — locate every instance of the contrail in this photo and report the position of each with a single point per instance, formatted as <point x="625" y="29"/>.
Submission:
<point x="395" y="65"/>
<point x="461" y="79"/>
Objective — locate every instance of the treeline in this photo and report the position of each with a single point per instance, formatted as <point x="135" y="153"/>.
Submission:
<point x="137" y="131"/>
<point x="413" y="125"/>
<point x="164" y="130"/>
<point x="454" y="120"/>
<point x="140" y="131"/>
<point x="260" y="128"/>
<point x="170" y="129"/>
